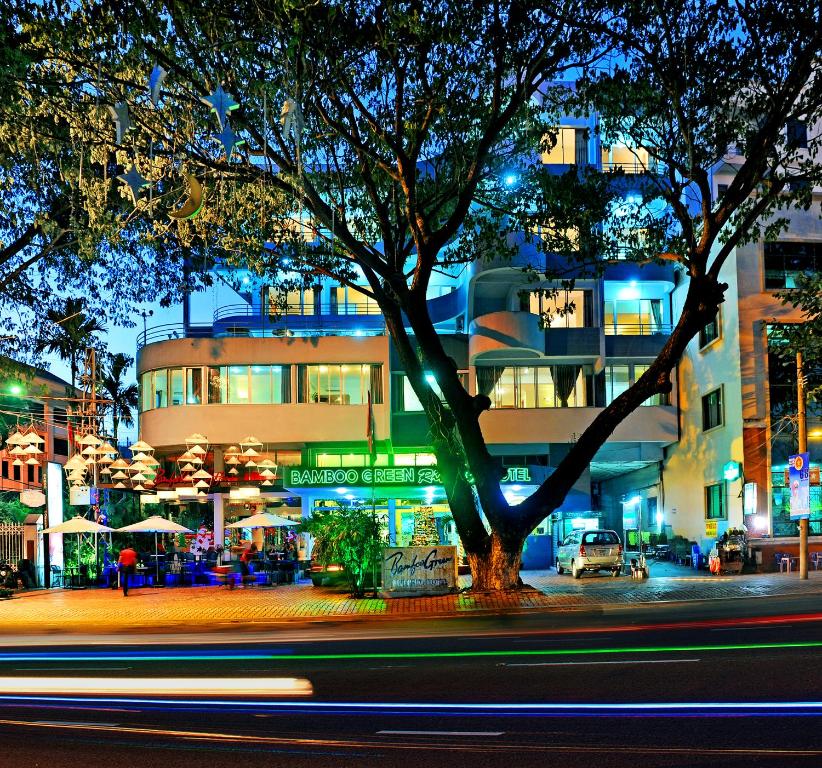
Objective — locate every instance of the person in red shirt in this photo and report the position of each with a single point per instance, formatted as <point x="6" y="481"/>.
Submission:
<point x="128" y="566"/>
<point x="245" y="561"/>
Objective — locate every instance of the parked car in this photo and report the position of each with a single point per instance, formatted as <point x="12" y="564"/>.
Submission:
<point x="590" y="551"/>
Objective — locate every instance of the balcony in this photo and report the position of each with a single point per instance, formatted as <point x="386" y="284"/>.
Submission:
<point x="651" y="423"/>
<point x="505" y="334"/>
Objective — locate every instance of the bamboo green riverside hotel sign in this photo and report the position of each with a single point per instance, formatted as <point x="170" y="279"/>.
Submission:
<point x="322" y="477"/>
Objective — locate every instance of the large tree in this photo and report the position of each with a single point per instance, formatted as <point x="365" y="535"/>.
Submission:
<point x="401" y="122"/>
<point x="65" y="229"/>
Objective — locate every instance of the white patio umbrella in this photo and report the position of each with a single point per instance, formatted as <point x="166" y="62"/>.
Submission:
<point x="155" y="525"/>
<point x="263" y="520"/>
<point x="78" y="525"/>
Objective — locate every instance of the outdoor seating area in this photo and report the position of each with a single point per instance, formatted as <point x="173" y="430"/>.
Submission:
<point x="165" y="565"/>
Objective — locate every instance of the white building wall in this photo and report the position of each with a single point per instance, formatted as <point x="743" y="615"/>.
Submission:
<point x="697" y="460"/>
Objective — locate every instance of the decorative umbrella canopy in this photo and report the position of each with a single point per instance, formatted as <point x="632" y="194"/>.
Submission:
<point x="155" y="524"/>
<point x="78" y="524"/>
<point x="263" y="520"/>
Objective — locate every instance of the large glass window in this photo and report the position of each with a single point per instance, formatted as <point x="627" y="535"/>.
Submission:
<point x="785" y="262"/>
<point x="554" y="386"/>
<point x="571" y="147"/>
<point x="626" y="158"/>
<point x="715" y="502"/>
<point x="176" y="392"/>
<point x="238" y="384"/>
<point x="617" y="380"/>
<point x="620" y="376"/>
<point x="194" y="386"/>
<point x="217" y="385"/>
<point x="343" y="384"/>
<point x="361" y="304"/>
<point x="261" y="384"/>
<point x="633" y="317"/>
<point x="146" y="387"/>
<point x="568" y="309"/>
<point x="160" y="389"/>
<point x="712" y="410"/>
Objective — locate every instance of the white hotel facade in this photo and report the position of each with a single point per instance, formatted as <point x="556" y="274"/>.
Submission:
<point x="299" y="384"/>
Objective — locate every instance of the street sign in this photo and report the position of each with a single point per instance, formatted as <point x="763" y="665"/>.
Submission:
<point x="799" y="479"/>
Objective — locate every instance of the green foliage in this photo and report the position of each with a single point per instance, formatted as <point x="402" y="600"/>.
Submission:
<point x="349" y="536"/>
<point x="11" y="510"/>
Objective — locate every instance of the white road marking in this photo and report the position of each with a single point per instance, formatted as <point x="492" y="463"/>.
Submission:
<point x="598" y="663"/>
<point x="440" y="733"/>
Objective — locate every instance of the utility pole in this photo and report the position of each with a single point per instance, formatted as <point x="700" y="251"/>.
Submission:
<point x="803" y="447"/>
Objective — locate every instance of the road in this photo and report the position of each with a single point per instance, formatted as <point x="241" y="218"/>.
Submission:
<point x="672" y="686"/>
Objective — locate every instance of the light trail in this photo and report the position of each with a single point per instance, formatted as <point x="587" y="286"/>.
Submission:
<point x="425" y="709"/>
<point x="128" y="687"/>
<point x="381" y="655"/>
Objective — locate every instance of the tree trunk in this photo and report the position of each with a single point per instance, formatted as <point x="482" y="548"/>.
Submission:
<point x="498" y="567"/>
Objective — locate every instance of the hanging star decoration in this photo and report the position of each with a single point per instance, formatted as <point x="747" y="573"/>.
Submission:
<point x="221" y="102"/>
<point x="134" y="181"/>
<point x="229" y="141"/>
<point x="155" y="83"/>
<point x="119" y="113"/>
<point x="291" y="119"/>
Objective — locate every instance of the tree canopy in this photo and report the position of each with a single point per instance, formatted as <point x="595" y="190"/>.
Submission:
<point x="370" y="142"/>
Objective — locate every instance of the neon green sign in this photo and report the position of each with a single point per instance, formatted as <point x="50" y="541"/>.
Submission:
<point x="312" y="477"/>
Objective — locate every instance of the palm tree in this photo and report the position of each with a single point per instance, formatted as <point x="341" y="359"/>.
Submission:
<point x="73" y="331"/>
<point x="123" y="398"/>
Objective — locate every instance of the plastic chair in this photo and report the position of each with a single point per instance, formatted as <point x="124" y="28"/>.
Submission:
<point x="56" y="575"/>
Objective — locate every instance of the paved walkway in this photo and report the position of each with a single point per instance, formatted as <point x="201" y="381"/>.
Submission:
<point x="103" y="610"/>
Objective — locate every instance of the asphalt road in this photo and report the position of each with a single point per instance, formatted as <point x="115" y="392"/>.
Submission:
<point x="667" y="687"/>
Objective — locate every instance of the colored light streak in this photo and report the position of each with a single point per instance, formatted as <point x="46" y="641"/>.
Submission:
<point x="693" y="708"/>
<point x="147" y="686"/>
<point x="502" y="653"/>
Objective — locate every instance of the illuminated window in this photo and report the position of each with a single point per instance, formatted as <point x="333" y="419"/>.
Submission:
<point x="194" y="386"/>
<point x="633" y="317"/>
<point x="217" y="385"/>
<point x="340" y="384"/>
<point x="176" y="393"/>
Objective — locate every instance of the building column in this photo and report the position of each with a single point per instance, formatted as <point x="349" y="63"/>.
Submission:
<point x="219" y="522"/>
<point x="392" y="522"/>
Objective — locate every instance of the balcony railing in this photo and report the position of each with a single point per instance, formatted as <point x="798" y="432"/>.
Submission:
<point x="296" y="310"/>
<point x="636" y="329"/>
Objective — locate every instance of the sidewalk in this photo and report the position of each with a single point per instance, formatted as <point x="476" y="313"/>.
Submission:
<point x="210" y="608"/>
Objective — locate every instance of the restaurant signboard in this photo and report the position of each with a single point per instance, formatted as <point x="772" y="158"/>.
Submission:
<point x="419" y="570"/>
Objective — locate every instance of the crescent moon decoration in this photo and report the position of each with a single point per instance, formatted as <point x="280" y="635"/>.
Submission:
<point x="221" y="102"/>
<point x="155" y="82"/>
<point x="229" y="141"/>
<point x="135" y="182"/>
<point x="119" y="113"/>
<point x="194" y="204"/>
